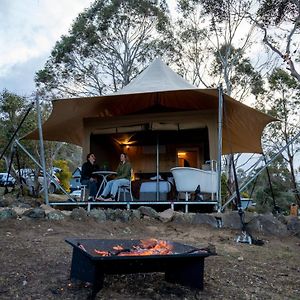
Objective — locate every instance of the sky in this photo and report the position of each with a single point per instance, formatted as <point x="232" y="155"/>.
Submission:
<point x="28" y="32"/>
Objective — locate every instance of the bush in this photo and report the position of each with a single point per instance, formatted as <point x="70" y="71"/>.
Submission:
<point x="64" y="175"/>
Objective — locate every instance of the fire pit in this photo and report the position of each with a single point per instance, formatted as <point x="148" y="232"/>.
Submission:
<point x="93" y="258"/>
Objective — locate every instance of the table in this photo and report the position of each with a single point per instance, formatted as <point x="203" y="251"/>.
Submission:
<point x="104" y="175"/>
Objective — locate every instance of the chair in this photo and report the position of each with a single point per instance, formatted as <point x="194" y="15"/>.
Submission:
<point x="125" y="188"/>
<point x="83" y="193"/>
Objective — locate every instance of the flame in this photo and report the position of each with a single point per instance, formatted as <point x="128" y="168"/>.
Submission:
<point x="102" y="253"/>
<point x="146" y="247"/>
<point x="118" y="248"/>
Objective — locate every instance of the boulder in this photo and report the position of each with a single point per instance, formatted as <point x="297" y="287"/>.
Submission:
<point x="293" y="226"/>
<point x="148" y="211"/>
<point x="180" y="217"/>
<point x="55" y="215"/>
<point x="35" y="213"/>
<point x="98" y="214"/>
<point x="166" y="215"/>
<point x="7" y="213"/>
<point x="205" y="219"/>
<point x="267" y="224"/>
<point x="79" y="214"/>
<point x="135" y="214"/>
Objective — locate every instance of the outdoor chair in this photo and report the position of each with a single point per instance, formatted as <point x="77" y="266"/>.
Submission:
<point x="125" y="188"/>
<point x="83" y="192"/>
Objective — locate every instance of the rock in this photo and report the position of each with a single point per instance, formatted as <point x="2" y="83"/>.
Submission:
<point x="268" y="224"/>
<point x="66" y="213"/>
<point x="293" y="226"/>
<point x="205" y="219"/>
<point x="135" y="214"/>
<point x="166" y="215"/>
<point x="7" y="213"/>
<point x="79" y="214"/>
<point x="180" y="217"/>
<point x="20" y="210"/>
<point x="125" y="216"/>
<point x="232" y="219"/>
<point x="35" y="213"/>
<point x="47" y="208"/>
<point x="98" y="214"/>
<point x="55" y="215"/>
<point x="148" y="211"/>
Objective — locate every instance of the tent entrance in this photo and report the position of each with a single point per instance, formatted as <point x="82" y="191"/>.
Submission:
<point x="142" y="148"/>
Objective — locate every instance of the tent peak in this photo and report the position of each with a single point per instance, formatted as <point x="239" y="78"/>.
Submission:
<point x="157" y="77"/>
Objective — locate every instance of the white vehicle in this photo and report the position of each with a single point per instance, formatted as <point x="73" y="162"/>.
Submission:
<point x="7" y="180"/>
<point x="28" y="176"/>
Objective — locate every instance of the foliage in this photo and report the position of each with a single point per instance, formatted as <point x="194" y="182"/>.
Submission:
<point x="64" y="175"/>
<point x="283" y="103"/>
<point x="278" y="11"/>
<point x="107" y="46"/>
<point x="13" y="109"/>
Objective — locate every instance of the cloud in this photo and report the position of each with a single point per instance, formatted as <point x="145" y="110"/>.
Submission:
<point x="28" y="32"/>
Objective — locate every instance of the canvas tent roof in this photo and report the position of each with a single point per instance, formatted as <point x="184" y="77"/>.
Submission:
<point x="156" y="86"/>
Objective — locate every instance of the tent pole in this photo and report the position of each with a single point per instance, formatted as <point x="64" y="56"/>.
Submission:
<point x="58" y="186"/>
<point x="261" y="169"/>
<point x="38" y="109"/>
<point x="219" y="160"/>
<point x="157" y="167"/>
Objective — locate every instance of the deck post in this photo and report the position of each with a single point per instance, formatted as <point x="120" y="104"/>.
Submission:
<point x="219" y="161"/>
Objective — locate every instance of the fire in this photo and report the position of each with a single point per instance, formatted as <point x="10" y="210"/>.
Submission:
<point x="146" y="247"/>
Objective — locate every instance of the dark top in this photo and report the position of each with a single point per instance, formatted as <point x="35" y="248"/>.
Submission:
<point x="87" y="170"/>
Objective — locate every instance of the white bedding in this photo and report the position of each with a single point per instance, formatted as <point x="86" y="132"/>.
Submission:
<point x="150" y="187"/>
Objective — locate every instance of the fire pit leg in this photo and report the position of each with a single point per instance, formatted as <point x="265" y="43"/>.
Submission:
<point x="187" y="273"/>
<point x="86" y="270"/>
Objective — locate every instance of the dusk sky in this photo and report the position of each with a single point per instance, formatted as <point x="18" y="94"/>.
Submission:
<point x="28" y="32"/>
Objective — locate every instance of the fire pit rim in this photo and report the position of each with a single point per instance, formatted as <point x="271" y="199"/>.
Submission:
<point x="76" y="241"/>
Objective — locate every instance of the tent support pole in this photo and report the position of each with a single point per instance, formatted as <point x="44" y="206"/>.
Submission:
<point x="38" y="109"/>
<point x="157" y="168"/>
<point x="261" y="170"/>
<point x="219" y="160"/>
<point x="48" y="174"/>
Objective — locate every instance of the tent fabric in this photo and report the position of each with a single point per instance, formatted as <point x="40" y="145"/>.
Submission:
<point x="156" y="86"/>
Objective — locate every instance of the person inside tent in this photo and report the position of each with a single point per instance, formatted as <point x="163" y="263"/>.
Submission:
<point x="123" y="178"/>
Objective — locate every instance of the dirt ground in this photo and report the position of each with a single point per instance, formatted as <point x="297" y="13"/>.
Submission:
<point x="35" y="262"/>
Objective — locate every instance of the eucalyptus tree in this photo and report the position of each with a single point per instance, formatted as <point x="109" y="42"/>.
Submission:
<point x="283" y="103"/>
<point x="107" y="46"/>
<point x="216" y="37"/>
<point x="216" y="40"/>
<point x="280" y="22"/>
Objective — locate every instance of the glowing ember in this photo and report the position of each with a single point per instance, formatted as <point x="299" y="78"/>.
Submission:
<point x="146" y="247"/>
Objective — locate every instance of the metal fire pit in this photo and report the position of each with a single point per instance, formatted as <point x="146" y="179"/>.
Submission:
<point x="184" y="266"/>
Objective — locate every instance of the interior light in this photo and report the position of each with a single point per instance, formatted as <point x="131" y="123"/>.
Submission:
<point x="181" y="153"/>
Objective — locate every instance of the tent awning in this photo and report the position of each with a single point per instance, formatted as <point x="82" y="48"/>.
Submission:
<point x="156" y="87"/>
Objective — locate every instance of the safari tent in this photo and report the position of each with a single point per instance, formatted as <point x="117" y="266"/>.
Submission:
<point x="160" y="120"/>
<point x="161" y="107"/>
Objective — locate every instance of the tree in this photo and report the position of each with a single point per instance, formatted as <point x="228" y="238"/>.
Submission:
<point x="216" y="43"/>
<point x="212" y="43"/>
<point x="275" y="195"/>
<point x="279" y="20"/>
<point x="12" y="111"/>
<point x="283" y="103"/>
<point x="107" y="46"/>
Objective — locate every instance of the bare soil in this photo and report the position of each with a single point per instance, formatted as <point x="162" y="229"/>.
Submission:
<point x="35" y="262"/>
